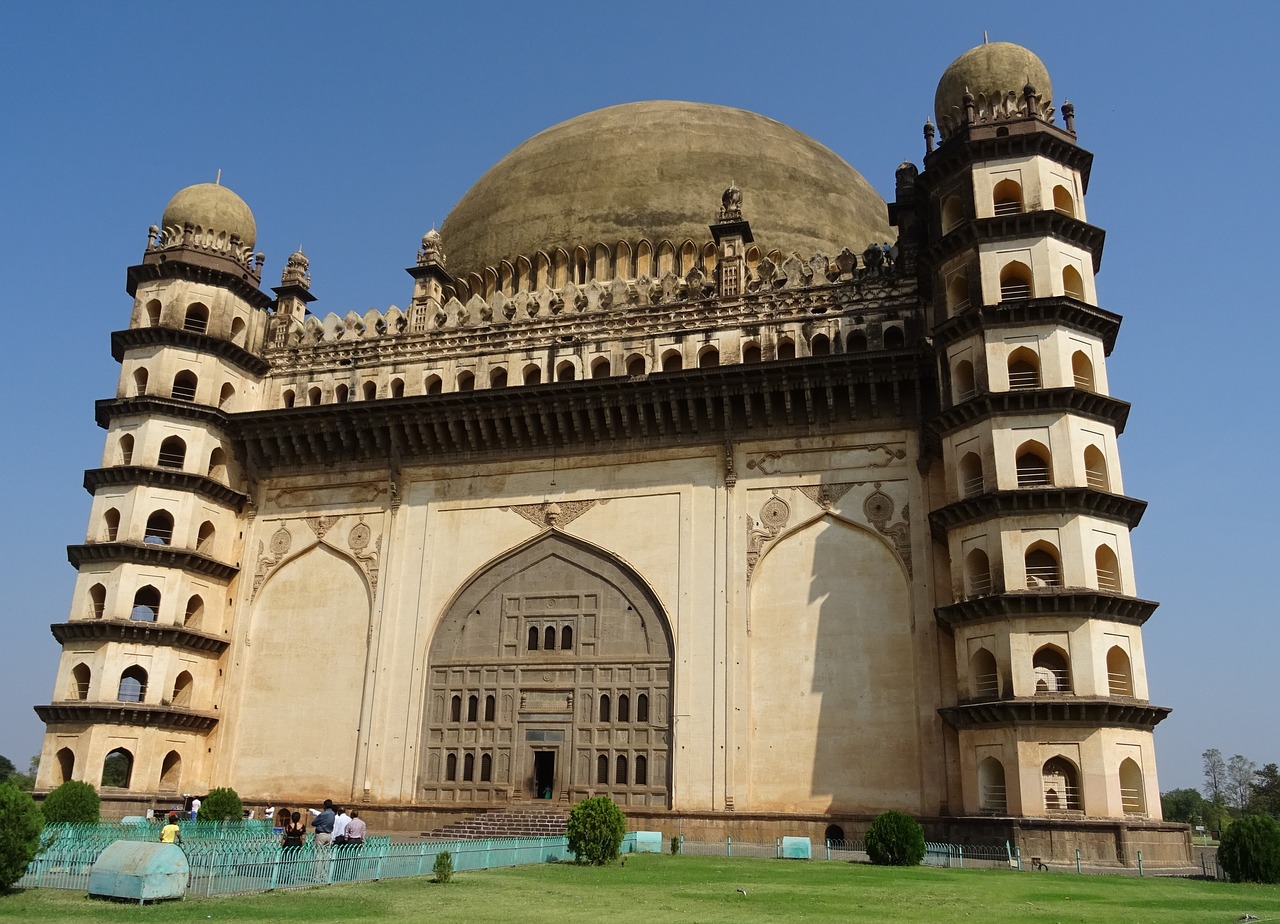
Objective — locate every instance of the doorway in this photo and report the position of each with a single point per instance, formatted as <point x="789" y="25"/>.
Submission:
<point x="544" y="774"/>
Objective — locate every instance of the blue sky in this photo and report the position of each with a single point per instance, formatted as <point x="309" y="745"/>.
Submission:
<point x="352" y="130"/>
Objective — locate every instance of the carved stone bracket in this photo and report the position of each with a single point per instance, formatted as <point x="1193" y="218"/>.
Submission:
<point x="774" y="514"/>
<point x="552" y="513"/>
<point x="358" y="542"/>
<point x="878" y="508"/>
<point x="281" y="540"/>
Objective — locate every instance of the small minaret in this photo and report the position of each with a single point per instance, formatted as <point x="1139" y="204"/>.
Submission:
<point x="732" y="234"/>
<point x="432" y="284"/>
<point x="294" y="292"/>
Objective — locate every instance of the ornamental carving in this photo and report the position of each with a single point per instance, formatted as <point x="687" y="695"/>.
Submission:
<point x="767" y="462"/>
<point x="774" y="514"/>
<point x="268" y="558"/>
<point x="320" y="525"/>
<point x="358" y="542"/>
<point x="878" y="508"/>
<point x="553" y="514"/>
<point x="827" y="495"/>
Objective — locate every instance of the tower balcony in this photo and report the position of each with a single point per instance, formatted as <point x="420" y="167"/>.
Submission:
<point x="137" y="715"/>
<point x="1036" y="501"/>
<point x="154" y="554"/>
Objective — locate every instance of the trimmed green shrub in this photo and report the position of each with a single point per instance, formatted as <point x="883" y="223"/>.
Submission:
<point x="1250" y="849"/>
<point x="675" y="844"/>
<point x="73" y="801"/>
<point x="444" y="866"/>
<point x="596" y="828"/>
<point x="222" y="804"/>
<point x="20" y="827"/>
<point x="895" y="839"/>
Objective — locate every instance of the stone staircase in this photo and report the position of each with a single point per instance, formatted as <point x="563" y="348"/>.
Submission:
<point x="504" y="823"/>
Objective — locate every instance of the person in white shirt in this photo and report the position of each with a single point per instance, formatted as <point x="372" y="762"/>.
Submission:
<point x="340" y="821"/>
<point x="195" y="808"/>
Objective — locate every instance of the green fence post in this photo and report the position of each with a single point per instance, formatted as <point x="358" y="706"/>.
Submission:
<point x="682" y="843"/>
<point x="1018" y="853"/>
<point x="729" y="839"/>
<point x="1078" y="870"/>
<point x="1140" y="863"/>
<point x="777" y="848"/>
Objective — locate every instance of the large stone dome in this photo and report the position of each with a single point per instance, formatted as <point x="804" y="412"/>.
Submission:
<point x="991" y="70"/>
<point x="213" y="209"/>
<point x="654" y="171"/>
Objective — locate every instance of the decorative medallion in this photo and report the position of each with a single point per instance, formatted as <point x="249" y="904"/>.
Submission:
<point x="878" y="507"/>
<point x="281" y="539"/>
<point x="359" y="536"/>
<point x="358" y="542"/>
<point x="775" y="513"/>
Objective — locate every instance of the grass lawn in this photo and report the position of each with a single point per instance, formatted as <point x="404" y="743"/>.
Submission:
<point x="703" y="889"/>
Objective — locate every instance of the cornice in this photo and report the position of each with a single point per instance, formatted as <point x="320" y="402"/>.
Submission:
<point x="1021" y="225"/>
<point x="1036" y="501"/>
<point x="1060" y="310"/>
<point x="107" y="409"/>
<point x="974" y="144"/>
<point x="1056" y="710"/>
<point x="145" y="553"/>
<point x="988" y="405"/>
<point x="145" y="476"/>
<point x="134" y="337"/>
<point x="197" y="266"/>
<point x="1045" y="602"/>
<point x="140" y="715"/>
<point x="146" y="633"/>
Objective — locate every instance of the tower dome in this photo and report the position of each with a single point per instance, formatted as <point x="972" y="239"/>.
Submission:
<point x="655" y="171"/>
<point x="990" y="72"/>
<point x="212" y="209"/>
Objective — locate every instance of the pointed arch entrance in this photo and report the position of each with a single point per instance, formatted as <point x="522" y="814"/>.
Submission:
<point x="550" y="630"/>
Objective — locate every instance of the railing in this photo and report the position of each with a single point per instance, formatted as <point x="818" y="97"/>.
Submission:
<point x="1084" y="382"/>
<point x="961" y="305"/>
<point x="1096" y="479"/>
<point x="1109" y="579"/>
<point x="1008" y="208"/>
<point x="986" y="685"/>
<point x="158" y="537"/>
<point x="171" y="459"/>
<point x="1034" y="476"/>
<point x="1054" y="680"/>
<point x="1043" y="576"/>
<point x="184" y="392"/>
<point x="1013" y="290"/>
<point x="1021" y="380"/>
<point x="994" y="799"/>
<point x="974" y="485"/>
<point x="1131" y="802"/>
<point x="196" y="325"/>
<point x="1062" y="800"/>
<point x="1119" y="683"/>
<point x="979" y="585"/>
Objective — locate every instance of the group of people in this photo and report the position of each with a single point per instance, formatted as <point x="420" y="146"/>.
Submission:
<point x="331" y="825"/>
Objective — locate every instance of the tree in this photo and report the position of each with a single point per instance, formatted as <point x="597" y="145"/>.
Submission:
<point x="116" y="769"/>
<point x="895" y="839"/>
<point x="222" y="804"/>
<point x="26" y="781"/>
<point x="73" y="801"/>
<point x="1184" y="805"/>
<point x="1240" y="773"/>
<point x="1215" y="775"/>
<point x="20" y="827"/>
<point x="1265" y="799"/>
<point x="7" y="769"/>
<point x="596" y="828"/>
<point x="1250" y="849"/>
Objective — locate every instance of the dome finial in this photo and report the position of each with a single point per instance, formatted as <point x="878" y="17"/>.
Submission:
<point x="217" y="180"/>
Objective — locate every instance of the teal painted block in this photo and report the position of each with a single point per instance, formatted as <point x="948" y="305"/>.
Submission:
<point x="648" y="842"/>
<point x="796" y="848"/>
<point x="141" y="871"/>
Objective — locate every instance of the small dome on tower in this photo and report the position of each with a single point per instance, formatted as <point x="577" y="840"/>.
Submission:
<point x="991" y="70"/>
<point x="213" y="209"/>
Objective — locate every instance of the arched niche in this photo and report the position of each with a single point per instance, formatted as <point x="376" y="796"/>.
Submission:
<point x="831" y="640"/>
<point x="618" y="627"/>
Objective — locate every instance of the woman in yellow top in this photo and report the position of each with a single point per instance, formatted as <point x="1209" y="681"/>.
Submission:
<point x="171" y="833"/>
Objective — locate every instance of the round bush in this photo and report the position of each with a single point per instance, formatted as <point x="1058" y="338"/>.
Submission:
<point x="20" y="827"/>
<point x="895" y="839"/>
<point x="596" y="828"/>
<point x="1250" y="849"/>
<point x="221" y="805"/>
<point x="444" y="866"/>
<point x="73" y="801"/>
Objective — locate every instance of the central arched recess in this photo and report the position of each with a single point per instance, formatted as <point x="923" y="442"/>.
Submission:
<point x="559" y="633"/>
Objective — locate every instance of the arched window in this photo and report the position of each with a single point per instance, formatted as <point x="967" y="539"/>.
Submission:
<point x="1007" y="197"/>
<point x="117" y="769"/>
<point x="473" y="708"/>
<point x="1061" y="786"/>
<point x="820" y="345"/>
<point x="624" y="708"/>
<point x="642" y="710"/>
<point x="833" y="836"/>
<point x="1042" y="566"/>
<point x="963" y="383"/>
<point x="313" y="395"/>
<point x="977" y="574"/>
<point x="751" y="352"/>
<point x="1108" y="568"/>
<point x="602" y="770"/>
<point x="126" y="449"/>
<point x="532" y="375"/>
<point x="566" y="638"/>
<point x="894" y="338"/>
<point x="153" y="313"/>
<point x="237" y="331"/>
<point x="205" y="538"/>
<point x="218" y="465"/>
<point x="455" y="709"/>
<point x="451" y="767"/>
<point x="159" y="529"/>
<point x="605" y="711"/>
<point x="468" y="767"/>
<point x="958" y="293"/>
<point x="1015" y="281"/>
<point x="635" y="364"/>
<point x="533" y="638"/>
<point x="1073" y="283"/>
<point x="97" y="601"/>
<point x="856" y="342"/>
<point x="992" y="794"/>
<point x="1119" y="672"/>
<point x="601" y="368"/>
<point x="565" y="372"/>
<point x="66" y="764"/>
<point x="642" y="771"/>
<point x="287" y="397"/>
<point x="194" y="613"/>
<point x="185" y="384"/>
<point x="549" y="639"/>
<point x="466" y="381"/>
<point x="111" y="525"/>
<point x="140" y="381"/>
<point x="952" y="213"/>
<point x="620" y="774"/>
<point x="1082" y="370"/>
<point x="672" y="361"/>
<point x="196" y="319"/>
<point x="146" y="605"/>
<point x="182" y="689"/>
<point x="983" y="675"/>
<point x="1033" y="467"/>
<point x="397" y="388"/>
<point x="486" y="768"/>
<point x="173" y="453"/>
<point x="1051" y="670"/>
<point x="434" y="385"/>
<point x="171" y="772"/>
<point x="341" y="394"/>
<point x="786" y="348"/>
<point x="80" y="678"/>
<point x="489" y="704"/>
<point x="227" y="393"/>
<point x="971" y="476"/>
<point x="1063" y="201"/>
<point x="498" y="378"/>
<point x="133" y="685"/>
<point x="1133" y="797"/>
<point x="1024" y="369"/>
